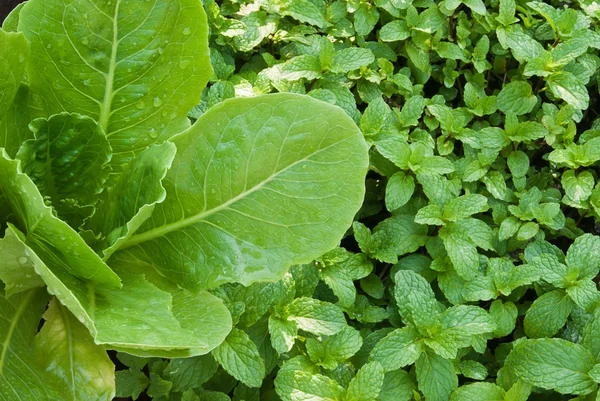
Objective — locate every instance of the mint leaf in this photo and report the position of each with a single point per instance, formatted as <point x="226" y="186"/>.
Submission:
<point x="316" y="316"/>
<point x="240" y="358"/>
<point x="436" y="376"/>
<point x="542" y="363"/>
<point x="548" y="314"/>
<point x="516" y="97"/>
<point x="367" y="383"/>
<point x="398" y="349"/>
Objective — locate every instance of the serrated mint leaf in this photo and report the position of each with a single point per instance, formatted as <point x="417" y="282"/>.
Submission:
<point x="465" y="206"/>
<point x="297" y="385"/>
<point x="399" y="189"/>
<point x="548" y="314"/>
<point x="352" y="58"/>
<point x="394" y="31"/>
<point x="387" y="245"/>
<point x="478" y="392"/>
<point x="516" y="97"/>
<point x="553" y="363"/>
<point x="584" y="293"/>
<point x="461" y="250"/>
<point x="365" y="18"/>
<point x="565" y="86"/>
<point x="303" y="66"/>
<point x="397" y="386"/>
<point x="473" y="369"/>
<point x="584" y="254"/>
<point x="430" y="214"/>
<point x="415" y="298"/>
<point x="333" y="350"/>
<point x="316" y="316"/>
<point x="504" y="315"/>
<point x="304" y="11"/>
<point x="436" y="376"/>
<point x="189" y="373"/>
<point x="240" y="358"/>
<point x="131" y="383"/>
<point x="398" y="349"/>
<point x="367" y="383"/>
<point x="578" y="188"/>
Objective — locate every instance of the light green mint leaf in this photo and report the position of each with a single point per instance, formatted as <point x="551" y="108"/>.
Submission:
<point x="189" y="373"/>
<point x="415" y="298"/>
<point x="396" y="236"/>
<point x="436" y="377"/>
<point x="47" y="236"/>
<point x="341" y="285"/>
<point x="20" y="374"/>
<point x="131" y="383"/>
<point x="298" y="385"/>
<point x="430" y="214"/>
<point x="352" y="58"/>
<point x="516" y="97"/>
<point x="68" y="162"/>
<point x="65" y="347"/>
<point x="13" y="54"/>
<point x="303" y="11"/>
<point x="548" y="314"/>
<point x="131" y="200"/>
<point x="553" y="363"/>
<point x="584" y="293"/>
<point x="365" y="18"/>
<point x="464" y="321"/>
<point x="565" y="86"/>
<point x="397" y="386"/>
<point x="374" y="117"/>
<point x="520" y="391"/>
<point x="395" y="151"/>
<point x="316" y="316"/>
<point x="303" y="66"/>
<point x="399" y="190"/>
<point x="16" y="270"/>
<point x="439" y="189"/>
<point x="461" y="250"/>
<point x="524" y="48"/>
<point x="465" y="206"/>
<point x="527" y="231"/>
<point x="158" y="386"/>
<point x="283" y="334"/>
<point x="504" y="315"/>
<point x="528" y="131"/>
<point x="450" y="51"/>
<point x="367" y="383"/>
<point x="473" y="369"/>
<point x="206" y="396"/>
<point x="578" y="188"/>
<point x="432" y="165"/>
<point x="123" y="50"/>
<point x="275" y="148"/>
<point x="518" y="163"/>
<point x="240" y="358"/>
<point x="398" y="349"/>
<point x="394" y="31"/>
<point x="550" y="268"/>
<point x="258" y="25"/>
<point x="584" y="254"/>
<point x="507" y="12"/>
<point x="335" y="349"/>
<point x="508" y="228"/>
<point x="478" y="392"/>
<point x="476" y="6"/>
<point x="507" y="276"/>
<point x="590" y="337"/>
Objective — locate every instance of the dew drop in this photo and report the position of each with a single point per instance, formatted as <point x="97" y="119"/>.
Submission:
<point x="213" y="191"/>
<point x="87" y="82"/>
<point x="161" y="50"/>
<point x="49" y="46"/>
<point x="153" y="133"/>
<point x="22" y="260"/>
<point x="140" y="105"/>
<point x="187" y="31"/>
<point x="157" y="102"/>
<point x="85" y="41"/>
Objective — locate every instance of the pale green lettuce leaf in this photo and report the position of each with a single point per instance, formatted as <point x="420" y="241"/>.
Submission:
<point x="168" y="322"/>
<point x="21" y="377"/>
<point x="14" y="123"/>
<point x="135" y="67"/>
<point x="13" y="53"/>
<point x="66" y="348"/>
<point x="258" y="184"/>
<point x="131" y="200"/>
<point x="68" y="162"/>
<point x="50" y="238"/>
<point x="16" y="269"/>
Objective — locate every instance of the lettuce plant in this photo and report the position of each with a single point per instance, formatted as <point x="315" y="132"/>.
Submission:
<point x="126" y="213"/>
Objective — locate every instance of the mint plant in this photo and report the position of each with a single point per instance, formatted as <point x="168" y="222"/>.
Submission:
<point x="187" y="190"/>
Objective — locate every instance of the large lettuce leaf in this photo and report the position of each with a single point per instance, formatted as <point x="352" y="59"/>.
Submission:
<point x="257" y="185"/>
<point x="136" y="67"/>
